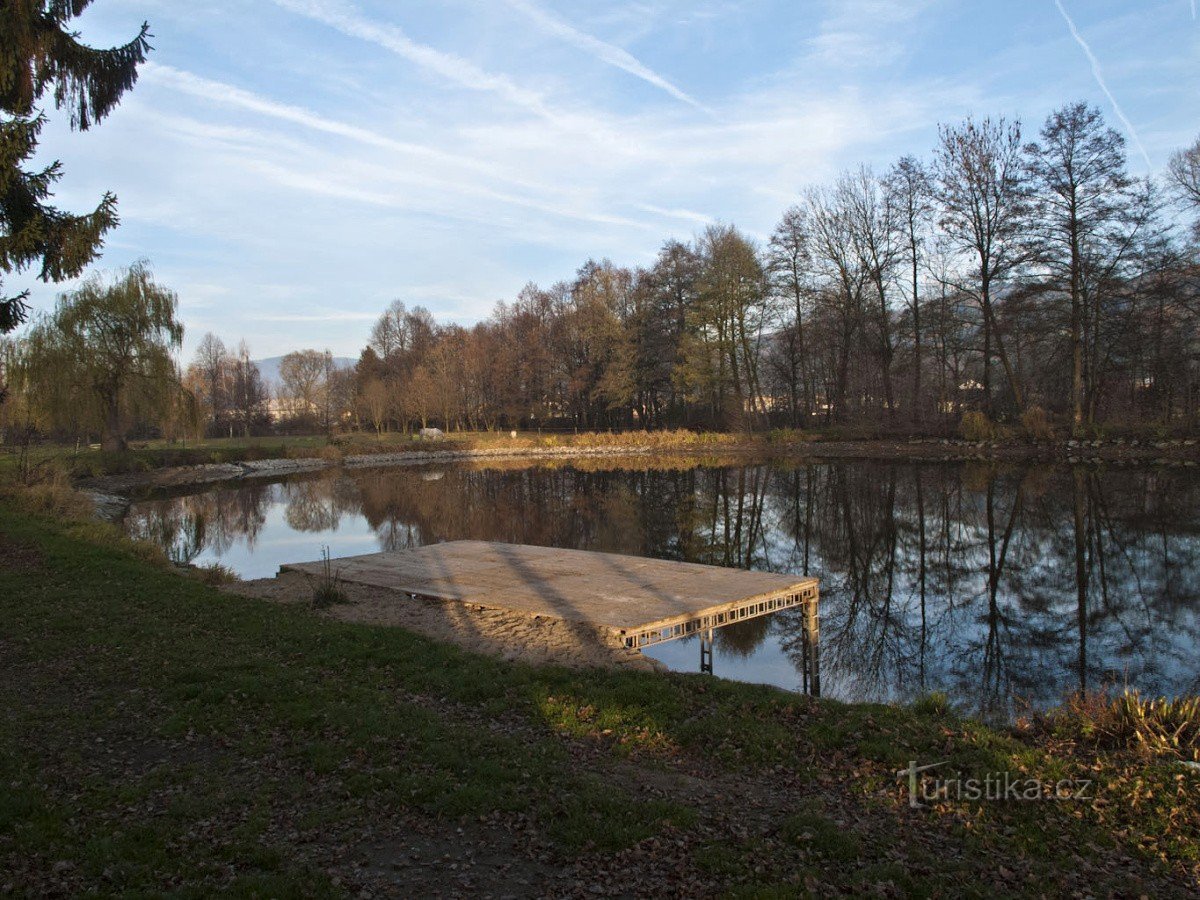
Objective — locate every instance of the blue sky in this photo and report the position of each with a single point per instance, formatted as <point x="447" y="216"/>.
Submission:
<point x="292" y="166"/>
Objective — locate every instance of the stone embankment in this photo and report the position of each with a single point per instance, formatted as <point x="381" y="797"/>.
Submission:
<point x="214" y="473"/>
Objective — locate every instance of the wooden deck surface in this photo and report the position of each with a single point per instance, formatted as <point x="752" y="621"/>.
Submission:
<point x="625" y="593"/>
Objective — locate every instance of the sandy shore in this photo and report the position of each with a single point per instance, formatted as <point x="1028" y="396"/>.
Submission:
<point x="536" y="640"/>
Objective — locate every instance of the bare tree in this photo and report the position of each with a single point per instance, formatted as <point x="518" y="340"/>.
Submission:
<point x="673" y="282"/>
<point x="337" y="394"/>
<point x="209" y="376"/>
<point x="419" y="396"/>
<point x="911" y="190"/>
<point x="248" y="392"/>
<point x="843" y="279"/>
<point x="727" y="323"/>
<point x="875" y="230"/>
<point x="389" y="335"/>
<point x="302" y="374"/>
<point x="982" y="192"/>
<point x="1184" y="173"/>
<point x="789" y="264"/>
<point x="1085" y="210"/>
<point x="373" y="401"/>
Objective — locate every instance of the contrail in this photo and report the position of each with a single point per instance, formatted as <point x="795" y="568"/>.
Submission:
<point x="602" y="50"/>
<point x="1104" y="87"/>
<point x="231" y="96"/>
<point x="346" y="19"/>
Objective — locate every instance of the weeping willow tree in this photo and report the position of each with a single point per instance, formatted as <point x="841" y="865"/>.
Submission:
<point x="105" y="360"/>
<point x="20" y="417"/>
<point x="39" y="54"/>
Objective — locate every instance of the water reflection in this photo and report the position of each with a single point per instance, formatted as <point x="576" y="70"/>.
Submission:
<point x="1001" y="587"/>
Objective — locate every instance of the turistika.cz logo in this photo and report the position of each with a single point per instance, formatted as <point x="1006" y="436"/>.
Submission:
<point x="996" y="786"/>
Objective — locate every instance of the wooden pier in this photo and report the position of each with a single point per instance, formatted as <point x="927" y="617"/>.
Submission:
<point x="644" y="601"/>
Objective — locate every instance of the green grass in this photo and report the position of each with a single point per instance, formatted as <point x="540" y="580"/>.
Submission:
<point x="826" y="838"/>
<point x="160" y="735"/>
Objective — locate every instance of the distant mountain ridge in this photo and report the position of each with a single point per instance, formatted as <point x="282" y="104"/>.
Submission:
<point x="269" y="367"/>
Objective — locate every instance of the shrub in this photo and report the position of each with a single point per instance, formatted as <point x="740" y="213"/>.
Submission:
<point x="1036" y="424"/>
<point x="976" y="426"/>
<point x="50" y="492"/>
<point x="215" y="573"/>
<point x="935" y="703"/>
<point x="789" y="436"/>
<point x="327" y="587"/>
<point x="1157" y="727"/>
<point x="1160" y="726"/>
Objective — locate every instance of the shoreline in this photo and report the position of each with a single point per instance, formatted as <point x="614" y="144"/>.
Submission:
<point x="496" y="631"/>
<point x="110" y="490"/>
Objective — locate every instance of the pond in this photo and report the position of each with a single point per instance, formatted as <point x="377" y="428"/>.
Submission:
<point x="1005" y="587"/>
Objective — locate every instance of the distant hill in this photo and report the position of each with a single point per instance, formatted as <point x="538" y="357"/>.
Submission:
<point x="270" y="367"/>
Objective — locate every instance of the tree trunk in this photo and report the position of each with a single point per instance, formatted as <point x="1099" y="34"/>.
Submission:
<point x="1079" y="509"/>
<point x="114" y="435"/>
<point x="992" y="331"/>
<point x="886" y="351"/>
<point x="1076" y="339"/>
<point x="987" y="357"/>
<point x="916" y="307"/>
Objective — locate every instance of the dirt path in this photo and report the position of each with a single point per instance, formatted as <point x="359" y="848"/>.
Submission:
<point x="536" y="640"/>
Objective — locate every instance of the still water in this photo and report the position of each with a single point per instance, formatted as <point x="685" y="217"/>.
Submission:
<point x="1007" y="588"/>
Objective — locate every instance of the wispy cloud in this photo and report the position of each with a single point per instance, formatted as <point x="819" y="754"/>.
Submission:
<point x="536" y="196"/>
<point x="867" y="33"/>
<point x="454" y="69"/>
<point x="1099" y="76"/>
<point x="374" y="185"/>
<point x="686" y="215"/>
<point x="336" y="316"/>
<point x="601" y="50"/>
<point x="229" y="95"/>
<point x="442" y="193"/>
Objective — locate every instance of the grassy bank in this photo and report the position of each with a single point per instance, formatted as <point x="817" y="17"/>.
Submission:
<point x="158" y="735"/>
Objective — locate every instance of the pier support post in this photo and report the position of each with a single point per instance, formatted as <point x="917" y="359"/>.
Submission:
<point x="811" y="644"/>
<point x="706" y="651"/>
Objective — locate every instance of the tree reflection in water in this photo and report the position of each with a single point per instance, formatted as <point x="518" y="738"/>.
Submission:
<point x="1001" y="586"/>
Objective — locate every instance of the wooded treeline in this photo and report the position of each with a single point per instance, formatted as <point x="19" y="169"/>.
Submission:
<point x="1000" y="280"/>
<point x="1002" y="275"/>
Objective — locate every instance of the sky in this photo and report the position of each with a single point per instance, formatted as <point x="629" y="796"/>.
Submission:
<point x="290" y="167"/>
